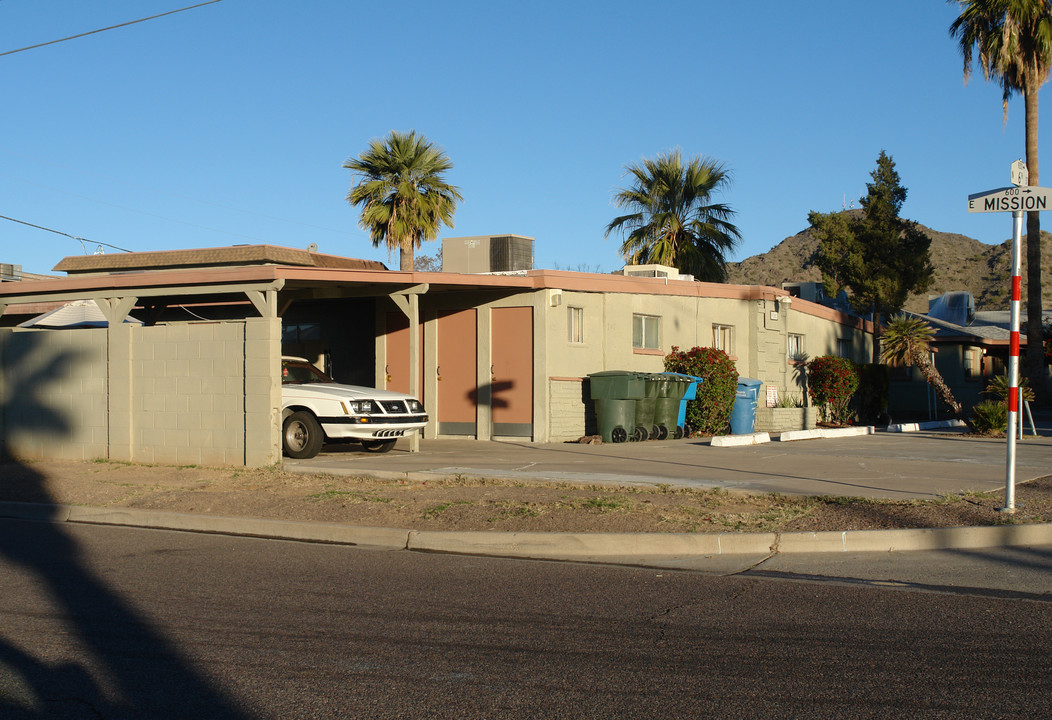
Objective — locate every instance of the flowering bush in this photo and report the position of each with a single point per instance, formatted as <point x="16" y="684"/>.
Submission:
<point x="831" y="382"/>
<point x="710" y="413"/>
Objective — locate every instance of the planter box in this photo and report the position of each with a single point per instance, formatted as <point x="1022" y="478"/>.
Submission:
<point x="776" y="420"/>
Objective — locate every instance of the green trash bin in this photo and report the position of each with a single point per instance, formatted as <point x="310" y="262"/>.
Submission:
<point x="671" y="389"/>
<point x="615" y="393"/>
<point x="646" y="407"/>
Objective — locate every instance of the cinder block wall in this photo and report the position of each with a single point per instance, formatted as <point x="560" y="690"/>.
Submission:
<point x="53" y="394"/>
<point x="572" y="413"/>
<point x="186" y="394"/>
<point x="776" y="420"/>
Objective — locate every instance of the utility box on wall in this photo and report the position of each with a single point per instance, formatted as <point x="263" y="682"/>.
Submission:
<point x="487" y="254"/>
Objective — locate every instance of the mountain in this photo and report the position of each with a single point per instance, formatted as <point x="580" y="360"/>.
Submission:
<point x="961" y="263"/>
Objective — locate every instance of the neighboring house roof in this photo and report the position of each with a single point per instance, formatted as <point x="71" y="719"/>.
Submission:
<point x="988" y="327"/>
<point x="79" y="313"/>
<point x="210" y="257"/>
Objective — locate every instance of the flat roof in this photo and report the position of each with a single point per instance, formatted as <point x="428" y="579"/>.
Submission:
<point x="210" y="274"/>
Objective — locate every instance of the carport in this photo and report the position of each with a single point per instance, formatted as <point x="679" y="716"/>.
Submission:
<point x="199" y="380"/>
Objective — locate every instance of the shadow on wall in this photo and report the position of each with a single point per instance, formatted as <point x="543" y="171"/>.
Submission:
<point x="78" y="650"/>
<point x="492" y="391"/>
<point x="26" y="374"/>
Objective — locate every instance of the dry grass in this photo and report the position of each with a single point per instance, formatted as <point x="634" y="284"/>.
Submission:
<point x="488" y="504"/>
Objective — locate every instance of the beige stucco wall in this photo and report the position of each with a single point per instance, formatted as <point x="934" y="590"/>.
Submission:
<point x="759" y="344"/>
<point x="193" y="393"/>
<point x="53" y="394"/>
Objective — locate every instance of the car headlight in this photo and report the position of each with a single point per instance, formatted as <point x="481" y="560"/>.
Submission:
<point x="363" y="407"/>
<point x="415" y="406"/>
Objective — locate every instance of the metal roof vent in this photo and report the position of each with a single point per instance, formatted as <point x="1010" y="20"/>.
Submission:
<point x="957" y="307"/>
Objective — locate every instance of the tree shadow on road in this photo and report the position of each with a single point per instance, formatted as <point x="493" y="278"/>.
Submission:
<point x="70" y="646"/>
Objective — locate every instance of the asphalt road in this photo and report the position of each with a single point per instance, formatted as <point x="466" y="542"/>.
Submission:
<point x="126" y="623"/>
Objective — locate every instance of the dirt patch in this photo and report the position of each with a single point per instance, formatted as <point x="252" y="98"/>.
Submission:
<point x="493" y="505"/>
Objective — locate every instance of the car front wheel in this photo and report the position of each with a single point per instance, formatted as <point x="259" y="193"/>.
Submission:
<point x="378" y="446"/>
<point x="301" y="435"/>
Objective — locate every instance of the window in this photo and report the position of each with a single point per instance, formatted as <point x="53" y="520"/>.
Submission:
<point x="795" y="349"/>
<point x="973" y="358"/>
<point x="723" y="338"/>
<point x="844" y="349"/>
<point x="646" y="332"/>
<point x="575" y="324"/>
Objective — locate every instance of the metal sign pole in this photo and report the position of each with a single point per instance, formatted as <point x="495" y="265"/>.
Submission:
<point x="1020" y="198"/>
<point x="1013" y="363"/>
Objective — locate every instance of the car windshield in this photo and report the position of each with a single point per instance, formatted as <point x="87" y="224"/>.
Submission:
<point x="297" y="372"/>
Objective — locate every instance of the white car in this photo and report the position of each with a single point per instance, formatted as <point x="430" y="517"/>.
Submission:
<point x="315" y="408"/>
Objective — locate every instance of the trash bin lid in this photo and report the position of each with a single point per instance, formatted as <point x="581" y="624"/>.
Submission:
<point x="749" y="382"/>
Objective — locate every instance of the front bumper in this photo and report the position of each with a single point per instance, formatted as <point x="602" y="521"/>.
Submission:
<point x="371" y="427"/>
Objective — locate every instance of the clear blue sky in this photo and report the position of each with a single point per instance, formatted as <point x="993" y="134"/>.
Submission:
<point x="229" y="123"/>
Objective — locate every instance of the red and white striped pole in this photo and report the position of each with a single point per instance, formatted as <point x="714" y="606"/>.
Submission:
<point x="1013" y="362"/>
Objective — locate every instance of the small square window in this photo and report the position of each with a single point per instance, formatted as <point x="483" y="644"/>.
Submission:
<point x="795" y="348"/>
<point x="723" y="338"/>
<point x="646" y="332"/>
<point x="575" y="324"/>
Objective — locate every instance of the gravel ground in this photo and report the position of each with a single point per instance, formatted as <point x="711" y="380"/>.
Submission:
<point x="493" y="505"/>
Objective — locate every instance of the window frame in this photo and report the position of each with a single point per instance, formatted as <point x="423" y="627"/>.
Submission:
<point x="723" y="335"/>
<point x="645" y="322"/>
<point x="575" y="325"/>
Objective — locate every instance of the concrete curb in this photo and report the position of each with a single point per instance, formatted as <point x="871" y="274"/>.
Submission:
<point x="393" y="538"/>
<point x="734" y="440"/>
<point x="790" y="435"/>
<point x="624" y="548"/>
<point x="934" y="425"/>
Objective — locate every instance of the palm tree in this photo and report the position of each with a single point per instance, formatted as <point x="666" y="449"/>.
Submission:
<point x="672" y="219"/>
<point x="404" y="197"/>
<point x="1013" y="42"/>
<point x="907" y="340"/>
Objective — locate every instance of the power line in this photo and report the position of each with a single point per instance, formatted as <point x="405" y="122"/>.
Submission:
<point x="111" y="27"/>
<point x="59" y="232"/>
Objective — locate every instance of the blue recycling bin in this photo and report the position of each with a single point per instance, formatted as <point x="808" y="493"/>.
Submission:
<point x="691" y="393"/>
<point x="743" y="414"/>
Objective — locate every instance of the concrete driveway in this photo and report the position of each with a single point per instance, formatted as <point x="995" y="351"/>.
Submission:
<point x="918" y="465"/>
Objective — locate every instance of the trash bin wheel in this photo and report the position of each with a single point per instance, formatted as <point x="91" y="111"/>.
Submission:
<point x="619" y="434"/>
<point x="639" y="434"/>
<point x="662" y="432"/>
<point x="678" y="432"/>
<point x="655" y="432"/>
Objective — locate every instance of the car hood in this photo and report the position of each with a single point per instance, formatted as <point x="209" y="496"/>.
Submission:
<point x="336" y="391"/>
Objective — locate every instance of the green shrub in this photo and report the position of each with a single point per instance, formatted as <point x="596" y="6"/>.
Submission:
<point x="831" y="382"/>
<point x="710" y="413"/>
<point x="989" y="417"/>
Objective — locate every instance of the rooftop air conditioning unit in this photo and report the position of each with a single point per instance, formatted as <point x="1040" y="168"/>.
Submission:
<point x="487" y="254"/>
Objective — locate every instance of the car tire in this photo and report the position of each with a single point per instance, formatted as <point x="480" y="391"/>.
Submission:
<point x="378" y="446"/>
<point x="301" y="435"/>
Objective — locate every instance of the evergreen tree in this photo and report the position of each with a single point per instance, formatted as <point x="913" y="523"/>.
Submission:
<point x="876" y="256"/>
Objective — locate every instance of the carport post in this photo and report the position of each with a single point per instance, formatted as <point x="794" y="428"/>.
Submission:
<point x="414" y="361"/>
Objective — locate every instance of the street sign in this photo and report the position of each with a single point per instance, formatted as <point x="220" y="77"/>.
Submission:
<point x="1008" y="199"/>
<point x="1020" y="175"/>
